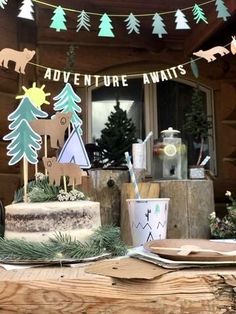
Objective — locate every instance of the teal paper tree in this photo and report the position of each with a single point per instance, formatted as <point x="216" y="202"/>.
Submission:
<point x="24" y="143"/>
<point x="198" y="14"/>
<point x="67" y="101"/>
<point x="158" y="25"/>
<point x="58" y="19"/>
<point x="27" y="111"/>
<point x="83" y="21"/>
<point x="132" y="24"/>
<point x="222" y="10"/>
<point x="3" y="3"/>
<point x="27" y="10"/>
<point x="180" y="20"/>
<point x="105" y="27"/>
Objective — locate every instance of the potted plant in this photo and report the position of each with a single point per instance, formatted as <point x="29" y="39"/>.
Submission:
<point x="197" y="124"/>
<point x="224" y="228"/>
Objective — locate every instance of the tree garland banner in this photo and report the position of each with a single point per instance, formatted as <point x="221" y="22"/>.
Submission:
<point x="132" y="21"/>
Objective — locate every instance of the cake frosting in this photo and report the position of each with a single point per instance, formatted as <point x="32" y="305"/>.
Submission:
<point x="40" y="221"/>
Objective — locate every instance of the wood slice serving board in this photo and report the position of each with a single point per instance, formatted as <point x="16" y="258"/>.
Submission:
<point x="166" y="248"/>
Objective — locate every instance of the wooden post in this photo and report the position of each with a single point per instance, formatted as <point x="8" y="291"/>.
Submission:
<point x="64" y="181"/>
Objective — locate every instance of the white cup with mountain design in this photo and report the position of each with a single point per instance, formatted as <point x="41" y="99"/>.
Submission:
<point x="148" y="219"/>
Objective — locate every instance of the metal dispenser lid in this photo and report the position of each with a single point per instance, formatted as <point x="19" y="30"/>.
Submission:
<point x="170" y="130"/>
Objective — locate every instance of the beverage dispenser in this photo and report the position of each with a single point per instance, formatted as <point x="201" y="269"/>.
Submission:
<point x="170" y="156"/>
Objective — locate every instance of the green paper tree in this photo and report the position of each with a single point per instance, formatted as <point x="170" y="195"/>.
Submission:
<point x="197" y="122"/>
<point x="198" y="14"/>
<point x="58" y="19"/>
<point x="26" y="110"/>
<point x="3" y="3"/>
<point x="222" y="10"/>
<point x="158" y="25"/>
<point x="105" y="27"/>
<point x="116" y="138"/>
<point x="67" y="101"/>
<point x="132" y="24"/>
<point x="24" y="143"/>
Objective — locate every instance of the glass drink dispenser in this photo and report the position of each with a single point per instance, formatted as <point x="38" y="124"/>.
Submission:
<point x="170" y="156"/>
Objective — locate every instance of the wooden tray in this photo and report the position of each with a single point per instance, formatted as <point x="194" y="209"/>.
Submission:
<point x="193" y="256"/>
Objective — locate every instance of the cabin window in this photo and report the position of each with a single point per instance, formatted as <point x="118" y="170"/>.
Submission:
<point x="152" y="107"/>
<point x="103" y="100"/>
<point x="173" y="102"/>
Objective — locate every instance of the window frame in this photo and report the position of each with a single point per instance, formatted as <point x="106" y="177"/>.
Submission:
<point x="151" y="117"/>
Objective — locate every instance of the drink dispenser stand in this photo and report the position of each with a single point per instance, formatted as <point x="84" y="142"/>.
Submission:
<point x="170" y="156"/>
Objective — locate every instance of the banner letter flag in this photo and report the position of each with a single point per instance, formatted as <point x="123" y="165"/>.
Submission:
<point x="132" y="24"/>
<point x="27" y="10"/>
<point x="222" y="10"/>
<point x="194" y="68"/>
<point x="3" y="3"/>
<point x="158" y="25"/>
<point x="83" y="21"/>
<point x="181" y="21"/>
<point x="58" y="19"/>
<point x="198" y="14"/>
<point x="105" y="27"/>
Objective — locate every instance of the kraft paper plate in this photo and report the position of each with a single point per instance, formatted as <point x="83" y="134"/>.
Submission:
<point x="161" y="247"/>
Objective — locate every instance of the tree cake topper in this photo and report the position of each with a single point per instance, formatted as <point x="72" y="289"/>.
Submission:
<point x="27" y="111"/>
<point x="74" y="151"/>
<point x="21" y="58"/>
<point x="24" y="143"/>
<point x="67" y="101"/>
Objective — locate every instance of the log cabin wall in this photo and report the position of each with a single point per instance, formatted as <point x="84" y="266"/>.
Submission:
<point x="120" y="55"/>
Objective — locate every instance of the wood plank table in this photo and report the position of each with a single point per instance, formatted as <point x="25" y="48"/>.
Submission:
<point x="72" y="290"/>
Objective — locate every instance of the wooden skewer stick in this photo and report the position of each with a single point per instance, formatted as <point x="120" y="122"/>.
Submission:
<point x="45" y="151"/>
<point x="25" y="175"/>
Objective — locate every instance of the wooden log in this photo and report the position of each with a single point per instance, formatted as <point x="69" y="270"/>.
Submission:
<point x="147" y="190"/>
<point x="104" y="186"/>
<point x="72" y="290"/>
<point x="191" y="202"/>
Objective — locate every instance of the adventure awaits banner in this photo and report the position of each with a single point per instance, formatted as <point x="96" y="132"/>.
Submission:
<point x="113" y="80"/>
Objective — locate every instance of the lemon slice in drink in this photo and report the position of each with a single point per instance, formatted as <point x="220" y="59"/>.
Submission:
<point x="170" y="150"/>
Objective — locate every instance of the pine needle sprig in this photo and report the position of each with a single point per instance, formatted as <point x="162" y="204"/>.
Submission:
<point x="72" y="248"/>
<point x="62" y="246"/>
<point x="22" y="250"/>
<point x="108" y="237"/>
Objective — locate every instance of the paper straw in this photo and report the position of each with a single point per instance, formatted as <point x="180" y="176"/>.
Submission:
<point x="205" y="161"/>
<point x="132" y="175"/>
<point x="147" y="137"/>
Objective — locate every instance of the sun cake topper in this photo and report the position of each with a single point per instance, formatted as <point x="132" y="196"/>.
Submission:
<point x="36" y="95"/>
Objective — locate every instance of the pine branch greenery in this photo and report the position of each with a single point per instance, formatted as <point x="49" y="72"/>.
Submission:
<point x="106" y="239"/>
